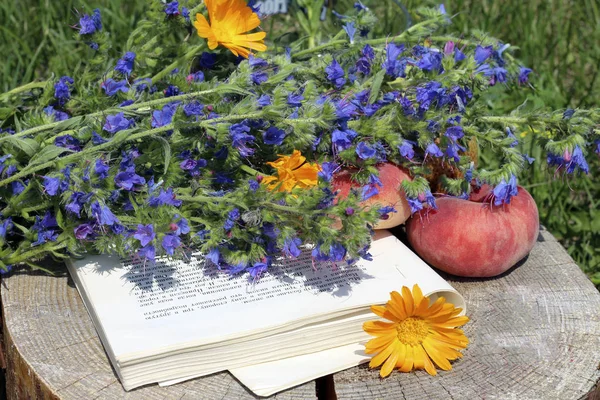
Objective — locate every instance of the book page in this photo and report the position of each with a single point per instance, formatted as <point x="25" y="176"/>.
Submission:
<point x="154" y="309"/>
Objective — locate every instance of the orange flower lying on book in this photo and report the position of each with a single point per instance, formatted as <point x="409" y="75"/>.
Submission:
<point x="292" y="171"/>
<point x="418" y="334"/>
<point x="229" y="22"/>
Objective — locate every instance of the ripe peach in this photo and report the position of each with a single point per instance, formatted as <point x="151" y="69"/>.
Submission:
<point x="473" y="237"/>
<point x="390" y="194"/>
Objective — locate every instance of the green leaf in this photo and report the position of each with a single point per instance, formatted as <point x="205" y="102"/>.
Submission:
<point x="166" y="150"/>
<point x="376" y="86"/>
<point x="27" y="146"/>
<point x="48" y="153"/>
<point x="6" y="112"/>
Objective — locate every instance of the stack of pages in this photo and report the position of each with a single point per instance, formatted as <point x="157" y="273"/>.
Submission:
<point x="174" y="320"/>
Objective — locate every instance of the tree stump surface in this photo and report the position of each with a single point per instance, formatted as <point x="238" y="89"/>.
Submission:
<point x="534" y="334"/>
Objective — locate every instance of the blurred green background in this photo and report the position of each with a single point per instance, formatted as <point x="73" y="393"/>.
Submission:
<point x="559" y="39"/>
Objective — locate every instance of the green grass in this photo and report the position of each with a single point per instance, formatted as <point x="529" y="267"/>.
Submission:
<point x="559" y="39"/>
<point x="37" y="36"/>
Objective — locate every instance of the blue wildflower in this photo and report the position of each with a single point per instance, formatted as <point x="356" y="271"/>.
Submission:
<point x="483" y="53"/>
<point x="193" y="108"/>
<point x="172" y="9"/>
<point x="342" y="139"/>
<point x="504" y="191"/>
<point x="569" y="112"/>
<point x="128" y="180"/>
<point x="82" y="231"/>
<point x="51" y="185"/>
<point x="350" y="31"/>
<point x="58" y="115"/>
<point x="431" y="61"/>
<point x="44" y="226"/>
<point x="337" y="252"/>
<point x="164" y="198"/>
<point x="181" y="227"/>
<point x="295" y="100"/>
<point x="17" y="187"/>
<point x="145" y="234"/>
<point x="126" y="103"/>
<point x="524" y="75"/>
<point x="101" y="169"/>
<point x="163" y="117"/>
<point x="327" y="171"/>
<point x="364" y="151"/>
<point x="232" y="217"/>
<point x="214" y="255"/>
<point x="571" y="161"/>
<point x="117" y="122"/>
<point x="171" y="91"/>
<point x="434" y="150"/>
<point x="385" y="211"/>
<point x="253" y="185"/>
<point x="264" y="100"/>
<point x="259" y="77"/>
<point x="406" y="149"/>
<point x="170" y="243"/>
<point x="257" y="269"/>
<point x="241" y="139"/>
<point x="103" y="215"/>
<point x="392" y="65"/>
<point x="452" y="151"/>
<point x="290" y="247"/>
<point x="147" y="252"/>
<point x="511" y="135"/>
<point x="185" y="13"/>
<point x="76" y="201"/>
<point x="195" y="77"/>
<point x="335" y="74"/>
<point x="5" y="227"/>
<point x="90" y="24"/>
<point x="207" y="60"/>
<point x="125" y="64"/>
<point x="256" y="62"/>
<point x="112" y="87"/>
<point x="68" y="142"/>
<point x="274" y="136"/>
<point x="455" y="132"/>
<point x="62" y="90"/>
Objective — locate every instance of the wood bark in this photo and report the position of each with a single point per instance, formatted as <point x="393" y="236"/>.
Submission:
<point x="534" y="332"/>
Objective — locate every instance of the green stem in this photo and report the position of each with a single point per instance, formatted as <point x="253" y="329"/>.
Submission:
<point x="28" y="255"/>
<point x="249" y="170"/>
<point x="504" y="120"/>
<point x="138" y="106"/>
<point x="206" y="199"/>
<point x="24" y="88"/>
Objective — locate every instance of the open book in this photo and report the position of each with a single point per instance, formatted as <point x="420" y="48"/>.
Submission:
<point x="176" y="320"/>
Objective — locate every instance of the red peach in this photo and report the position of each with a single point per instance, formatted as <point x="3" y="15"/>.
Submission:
<point x="474" y="238"/>
<point x="391" y="194"/>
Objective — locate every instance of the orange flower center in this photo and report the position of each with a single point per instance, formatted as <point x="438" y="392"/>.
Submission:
<point x="412" y="331"/>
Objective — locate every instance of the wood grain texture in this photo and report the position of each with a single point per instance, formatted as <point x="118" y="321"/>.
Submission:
<point x="53" y="351"/>
<point x="534" y="332"/>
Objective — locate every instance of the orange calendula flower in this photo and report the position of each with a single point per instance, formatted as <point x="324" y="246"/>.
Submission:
<point x="419" y="335"/>
<point x="229" y="22"/>
<point x="292" y="171"/>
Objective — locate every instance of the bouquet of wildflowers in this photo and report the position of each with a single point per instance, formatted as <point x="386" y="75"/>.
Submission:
<point x="205" y="136"/>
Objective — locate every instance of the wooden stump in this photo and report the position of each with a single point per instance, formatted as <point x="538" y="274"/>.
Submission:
<point x="535" y="334"/>
<point x="53" y="352"/>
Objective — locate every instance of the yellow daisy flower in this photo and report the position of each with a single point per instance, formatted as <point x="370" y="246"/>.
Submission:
<point x="229" y="22"/>
<point x="419" y="335"/>
<point x="292" y="171"/>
